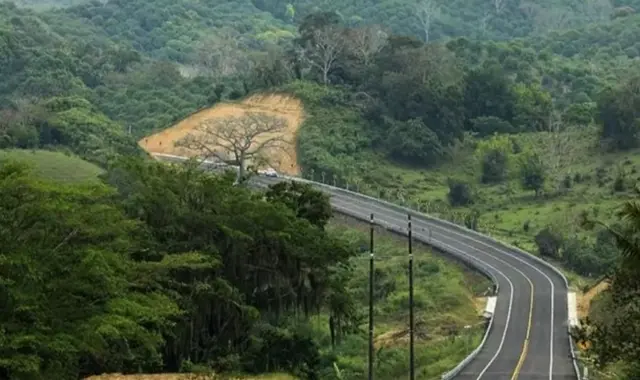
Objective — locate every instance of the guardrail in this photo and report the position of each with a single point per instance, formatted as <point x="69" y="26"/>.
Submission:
<point x="457" y="369"/>
<point x="446" y="223"/>
<point x="474" y="353"/>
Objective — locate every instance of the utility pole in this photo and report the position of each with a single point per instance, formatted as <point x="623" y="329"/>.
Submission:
<point x="412" y="372"/>
<point x="371" y="300"/>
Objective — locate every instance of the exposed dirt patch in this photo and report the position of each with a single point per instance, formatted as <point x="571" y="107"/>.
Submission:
<point x="584" y="299"/>
<point x="480" y="303"/>
<point x="287" y="107"/>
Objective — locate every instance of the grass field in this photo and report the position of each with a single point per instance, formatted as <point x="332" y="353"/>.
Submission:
<point x="289" y="108"/>
<point x="54" y="165"/>
<point x="512" y="214"/>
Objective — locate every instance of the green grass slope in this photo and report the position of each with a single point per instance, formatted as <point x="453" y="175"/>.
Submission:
<point x="583" y="180"/>
<point x="445" y="299"/>
<point x="54" y="165"/>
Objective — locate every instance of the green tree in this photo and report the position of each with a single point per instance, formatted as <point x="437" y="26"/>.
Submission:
<point x="488" y="92"/>
<point x="614" y="335"/>
<point x="532" y="172"/>
<point x="304" y="200"/>
<point x="413" y="142"/>
<point x="257" y="260"/>
<point x="67" y="309"/>
<point x="549" y="243"/>
<point x="460" y="193"/>
<point x="494" y="155"/>
<point x="619" y="114"/>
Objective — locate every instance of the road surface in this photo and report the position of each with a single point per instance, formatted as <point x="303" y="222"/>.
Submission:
<point x="529" y="339"/>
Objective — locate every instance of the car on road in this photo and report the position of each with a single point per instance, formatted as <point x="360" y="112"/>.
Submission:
<point x="269" y="172"/>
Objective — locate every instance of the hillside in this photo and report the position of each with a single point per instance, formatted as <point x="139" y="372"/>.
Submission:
<point x="517" y="119"/>
<point x="477" y="19"/>
<point x="185" y="25"/>
<point x="54" y="166"/>
<point x="283" y="160"/>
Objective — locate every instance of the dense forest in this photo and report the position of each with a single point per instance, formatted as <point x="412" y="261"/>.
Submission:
<point x="154" y="269"/>
<point x="498" y="115"/>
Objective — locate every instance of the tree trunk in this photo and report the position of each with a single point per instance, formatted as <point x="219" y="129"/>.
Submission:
<point x="332" y="331"/>
<point x="241" y="164"/>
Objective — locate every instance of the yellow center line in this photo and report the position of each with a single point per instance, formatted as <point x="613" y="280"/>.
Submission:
<point x="525" y="347"/>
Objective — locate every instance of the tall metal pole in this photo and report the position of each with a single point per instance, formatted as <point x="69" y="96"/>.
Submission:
<point x="412" y="372"/>
<point x="371" y="300"/>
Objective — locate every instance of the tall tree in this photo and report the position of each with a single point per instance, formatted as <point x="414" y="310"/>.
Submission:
<point x="238" y="140"/>
<point x="426" y="12"/>
<point x="324" y="49"/>
<point x="366" y="42"/>
<point x="619" y="113"/>
<point x="222" y="54"/>
<point x="66" y="306"/>
<point x="532" y="172"/>
<point x="308" y="203"/>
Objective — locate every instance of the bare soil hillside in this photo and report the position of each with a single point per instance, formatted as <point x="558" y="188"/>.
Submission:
<point x="287" y="107"/>
<point x="584" y="299"/>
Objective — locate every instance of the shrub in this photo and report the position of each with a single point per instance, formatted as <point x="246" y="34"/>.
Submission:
<point x="460" y="193"/>
<point x="494" y="166"/>
<point x="549" y="243"/>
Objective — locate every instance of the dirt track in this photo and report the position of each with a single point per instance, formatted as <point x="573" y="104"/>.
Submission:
<point x="283" y="106"/>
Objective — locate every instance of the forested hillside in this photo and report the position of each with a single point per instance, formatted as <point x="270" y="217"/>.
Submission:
<point x="153" y="269"/>
<point x="427" y="19"/>
<point x="519" y="119"/>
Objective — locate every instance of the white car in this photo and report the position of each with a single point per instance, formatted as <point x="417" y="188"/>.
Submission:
<point x="271" y="172"/>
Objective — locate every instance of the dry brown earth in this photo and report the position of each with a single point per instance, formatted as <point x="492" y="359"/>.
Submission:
<point x="287" y="107"/>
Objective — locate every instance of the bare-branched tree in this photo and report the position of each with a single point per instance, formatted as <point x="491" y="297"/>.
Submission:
<point x="499" y="5"/>
<point x="561" y="142"/>
<point x="550" y="18"/>
<point x="238" y="140"/>
<point x="222" y="54"/>
<point x="324" y="49"/>
<point x="597" y="10"/>
<point x="427" y="11"/>
<point x="484" y="23"/>
<point x="366" y="42"/>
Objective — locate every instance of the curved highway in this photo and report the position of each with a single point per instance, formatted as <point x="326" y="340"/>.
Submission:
<point x="528" y="337"/>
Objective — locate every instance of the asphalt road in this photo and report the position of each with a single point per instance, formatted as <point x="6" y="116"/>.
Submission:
<point x="529" y="337"/>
